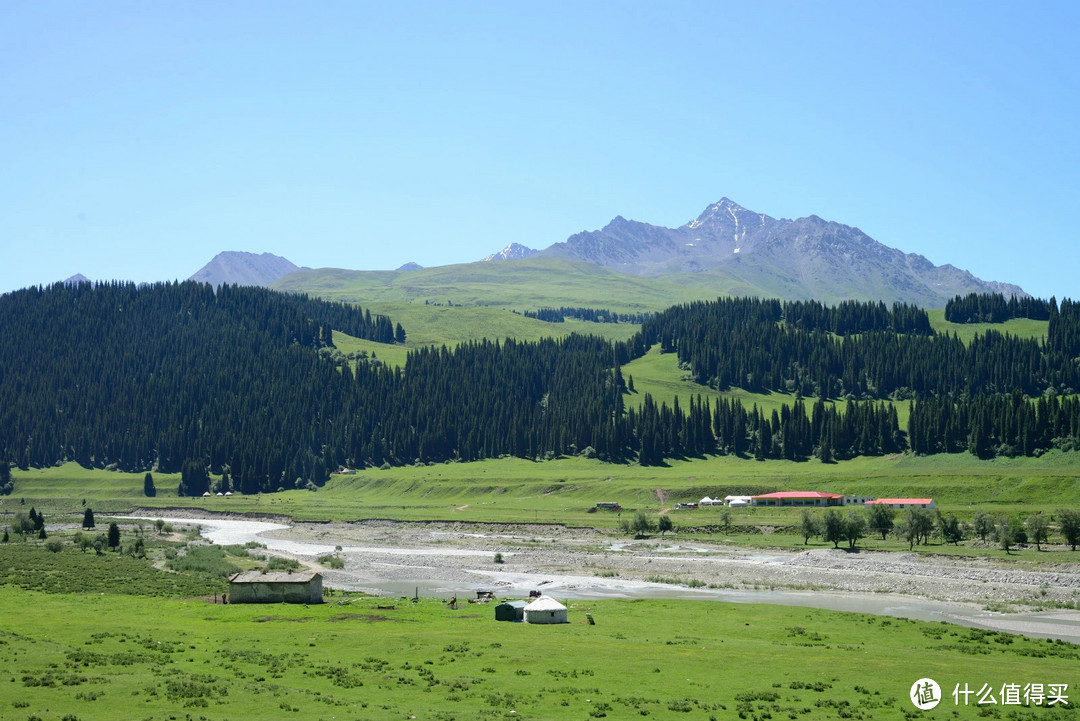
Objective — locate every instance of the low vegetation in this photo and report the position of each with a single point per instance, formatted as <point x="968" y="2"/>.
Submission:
<point x="363" y="658"/>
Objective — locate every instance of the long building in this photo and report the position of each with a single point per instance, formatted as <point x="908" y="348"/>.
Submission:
<point x="798" y="498"/>
<point x="903" y="502"/>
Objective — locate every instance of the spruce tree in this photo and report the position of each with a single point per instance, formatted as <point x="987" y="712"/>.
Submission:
<point x="88" y="518"/>
<point x="114" y="535"/>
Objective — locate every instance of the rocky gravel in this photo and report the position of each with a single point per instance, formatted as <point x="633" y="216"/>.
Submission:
<point x="457" y="553"/>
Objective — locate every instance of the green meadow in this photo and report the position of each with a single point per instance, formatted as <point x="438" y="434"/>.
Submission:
<point x="659" y="375"/>
<point x="564" y="490"/>
<point x="525" y="284"/>
<point x="107" y="655"/>
<point x="1019" y="327"/>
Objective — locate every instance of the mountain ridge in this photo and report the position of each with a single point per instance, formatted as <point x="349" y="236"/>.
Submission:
<point x="807" y="257"/>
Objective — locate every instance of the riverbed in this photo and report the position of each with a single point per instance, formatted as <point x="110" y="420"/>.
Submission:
<point x="445" y="560"/>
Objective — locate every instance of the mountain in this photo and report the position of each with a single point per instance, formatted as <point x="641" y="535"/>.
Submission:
<point x="804" y="258"/>
<point x="76" y="279"/>
<point x="514" y="251"/>
<point x="237" y="267"/>
<point x="411" y="266"/>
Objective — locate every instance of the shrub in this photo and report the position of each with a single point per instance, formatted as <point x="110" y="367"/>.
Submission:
<point x="203" y="559"/>
<point x="278" y="563"/>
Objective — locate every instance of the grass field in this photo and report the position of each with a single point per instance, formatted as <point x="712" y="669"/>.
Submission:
<point x="1019" y="327"/>
<point x="659" y="375"/>
<point x="525" y="284"/>
<point x="107" y="656"/>
<point x="563" y="490"/>
<point x="437" y="326"/>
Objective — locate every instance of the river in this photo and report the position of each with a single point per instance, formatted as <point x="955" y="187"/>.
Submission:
<point x="400" y="571"/>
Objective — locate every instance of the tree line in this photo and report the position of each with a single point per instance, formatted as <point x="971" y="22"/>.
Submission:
<point x="750" y="343"/>
<point x="592" y="315"/>
<point x="993" y="308"/>
<point x="177" y="378"/>
<point x="917" y="526"/>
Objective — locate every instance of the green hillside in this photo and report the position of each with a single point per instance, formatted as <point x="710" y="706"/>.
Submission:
<point x="1019" y="327"/>
<point x="524" y="284"/>
<point x="659" y="375"/>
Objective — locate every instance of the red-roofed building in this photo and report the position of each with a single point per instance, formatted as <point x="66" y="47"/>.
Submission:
<point x="798" y="498"/>
<point x="903" y="502"/>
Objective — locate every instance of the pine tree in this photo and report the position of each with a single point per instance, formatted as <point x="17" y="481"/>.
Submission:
<point x="114" y="535"/>
<point x="88" y="518"/>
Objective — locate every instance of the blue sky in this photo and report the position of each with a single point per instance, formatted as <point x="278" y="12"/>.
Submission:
<point x="139" y="139"/>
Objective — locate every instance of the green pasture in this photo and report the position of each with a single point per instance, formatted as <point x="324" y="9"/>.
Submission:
<point x="512" y="490"/>
<point x="659" y="375"/>
<point x="109" y="655"/>
<point x="525" y="284"/>
<point x="1019" y="327"/>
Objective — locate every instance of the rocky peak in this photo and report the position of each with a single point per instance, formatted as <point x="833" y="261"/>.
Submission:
<point x="512" y="251"/>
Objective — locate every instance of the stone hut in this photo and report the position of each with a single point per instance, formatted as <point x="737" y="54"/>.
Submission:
<point x="256" y="587"/>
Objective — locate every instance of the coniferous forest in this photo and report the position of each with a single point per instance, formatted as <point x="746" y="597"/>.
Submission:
<point x="180" y="377"/>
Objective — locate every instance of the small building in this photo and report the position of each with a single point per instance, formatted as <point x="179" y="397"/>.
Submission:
<point x="903" y="502"/>
<point x="511" y="611"/>
<point x="857" y="500"/>
<point x="737" y="501"/>
<point x="257" y="587"/>
<point x="545" y="610"/>
<point x="798" y="498"/>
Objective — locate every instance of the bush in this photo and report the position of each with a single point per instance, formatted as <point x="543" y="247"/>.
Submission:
<point x="53" y="546"/>
<point x="277" y="563"/>
<point x="203" y="559"/>
<point x="498" y="558"/>
<point x="331" y="561"/>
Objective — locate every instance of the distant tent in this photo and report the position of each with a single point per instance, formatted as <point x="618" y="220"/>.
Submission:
<point x="228" y="493"/>
<point x="545" y="610"/>
<point x="220" y="493"/>
<point x="706" y="501"/>
<point x="206" y="495"/>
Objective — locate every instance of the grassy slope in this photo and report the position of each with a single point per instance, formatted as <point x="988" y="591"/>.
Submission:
<point x="1020" y="327"/>
<point x="436" y="326"/>
<point x="520" y="284"/>
<point x="659" y="375"/>
<point x="113" y="656"/>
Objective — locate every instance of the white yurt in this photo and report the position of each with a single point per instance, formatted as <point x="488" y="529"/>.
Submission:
<point x="545" y="610"/>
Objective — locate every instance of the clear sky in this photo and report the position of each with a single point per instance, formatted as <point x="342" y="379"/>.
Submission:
<point x="139" y="139"/>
